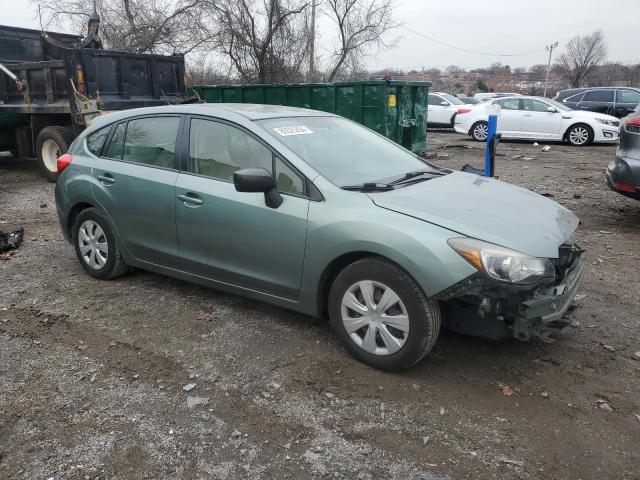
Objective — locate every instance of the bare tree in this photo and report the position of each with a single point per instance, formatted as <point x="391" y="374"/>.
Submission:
<point x="583" y="54"/>
<point x="264" y="40"/>
<point x="361" y="24"/>
<point x="142" y="26"/>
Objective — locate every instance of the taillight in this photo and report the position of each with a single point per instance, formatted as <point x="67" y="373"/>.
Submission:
<point x="64" y="161"/>
<point x="463" y="110"/>
<point x="625" y="187"/>
<point x="633" y="121"/>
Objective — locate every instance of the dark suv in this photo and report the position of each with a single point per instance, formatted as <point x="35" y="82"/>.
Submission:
<point x="616" y="101"/>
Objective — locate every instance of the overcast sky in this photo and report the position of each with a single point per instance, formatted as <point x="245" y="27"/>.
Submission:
<point x="489" y="26"/>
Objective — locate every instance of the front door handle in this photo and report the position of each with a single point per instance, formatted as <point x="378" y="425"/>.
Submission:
<point x="190" y="199"/>
<point x="106" y="179"/>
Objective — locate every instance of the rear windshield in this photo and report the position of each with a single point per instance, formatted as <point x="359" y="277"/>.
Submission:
<point x="344" y="152"/>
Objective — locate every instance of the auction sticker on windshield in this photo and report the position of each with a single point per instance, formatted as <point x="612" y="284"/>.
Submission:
<point x="295" y="130"/>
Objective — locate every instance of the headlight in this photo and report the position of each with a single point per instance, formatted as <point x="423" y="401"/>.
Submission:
<point x="607" y="122"/>
<point x="502" y="263"/>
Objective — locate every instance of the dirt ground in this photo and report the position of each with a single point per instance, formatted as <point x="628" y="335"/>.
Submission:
<point x="92" y="373"/>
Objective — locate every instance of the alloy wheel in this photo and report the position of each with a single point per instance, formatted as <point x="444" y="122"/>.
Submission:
<point x="579" y="135"/>
<point x="480" y="131"/>
<point x="374" y="317"/>
<point x="50" y="153"/>
<point x="92" y="242"/>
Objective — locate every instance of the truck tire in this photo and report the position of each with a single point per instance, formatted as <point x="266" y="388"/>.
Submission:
<point x="50" y="144"/>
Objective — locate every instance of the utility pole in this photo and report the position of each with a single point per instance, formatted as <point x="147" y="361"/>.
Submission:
<point x="548" y="48"/>
<point x="312" y="45"/>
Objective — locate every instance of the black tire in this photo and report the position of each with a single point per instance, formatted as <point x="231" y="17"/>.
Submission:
<point x="573" y="128"/>
<point x="475" y="129"/>
<point x="114" y="265"/>
<point x="423" y="313"/>
<point x="62" y="137"/>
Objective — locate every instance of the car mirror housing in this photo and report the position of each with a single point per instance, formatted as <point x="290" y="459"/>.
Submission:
<point x="551" y="109"/>
<point x="258" y="180"/>
<point x="444" y="104"/>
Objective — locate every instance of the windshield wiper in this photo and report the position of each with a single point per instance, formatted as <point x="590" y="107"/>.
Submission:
<point x="417" y="173"/>
<point x="369" y="187"/>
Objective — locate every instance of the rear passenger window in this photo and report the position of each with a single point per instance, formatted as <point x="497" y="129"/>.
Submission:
<point x="151" y="141"/>
<point x="628" y="96"/>
<point x="96" y="140"/>
<point x="217" y="150"/>
<point x="598" y="96"/>
<point x="509" y="103"/>
<point x="114" y="150"/>
<point x="288" y="181"/>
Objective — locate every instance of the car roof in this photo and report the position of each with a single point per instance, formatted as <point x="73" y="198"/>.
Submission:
<point x="229" y="111"/>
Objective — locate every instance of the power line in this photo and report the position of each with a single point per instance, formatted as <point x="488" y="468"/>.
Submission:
<point x="471" y="51"/>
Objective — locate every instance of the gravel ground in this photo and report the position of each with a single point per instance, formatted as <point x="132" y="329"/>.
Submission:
<point x="92" y="373"/>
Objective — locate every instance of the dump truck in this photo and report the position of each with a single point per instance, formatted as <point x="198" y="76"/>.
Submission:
<point x="52" y="85"/>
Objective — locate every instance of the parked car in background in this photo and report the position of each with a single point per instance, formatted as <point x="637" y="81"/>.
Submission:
<point x="623" y="174"/>
<point x="616" y="101"/>
<point x="442" y="109"/>
<point x="483" y="97"/>
<point x="315" y="213"/>
<point x="538" y="118"/>
<point x="468" y="100"/>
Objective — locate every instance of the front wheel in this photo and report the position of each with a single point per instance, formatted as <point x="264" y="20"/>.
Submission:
<point x="50" y="144"/>
<point x="479" y="131"/>
<point x="381" y="315"/>
<point x="580" y="135"/>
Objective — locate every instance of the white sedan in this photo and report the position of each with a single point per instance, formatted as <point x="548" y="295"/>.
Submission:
<point x="442" y="109"/>
<point x="537" y="118"/>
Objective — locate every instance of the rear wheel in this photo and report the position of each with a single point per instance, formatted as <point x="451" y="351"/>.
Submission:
<point x="50" y="144"/>
<point x="381" y="315"/>
<point x="579" y="135"/>
<point x="96" y="246"/>
<point x="479" y="131"/>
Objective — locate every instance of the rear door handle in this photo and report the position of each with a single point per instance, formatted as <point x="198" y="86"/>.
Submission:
<point x="106" y="179"/>
<point x="190" y="199"/>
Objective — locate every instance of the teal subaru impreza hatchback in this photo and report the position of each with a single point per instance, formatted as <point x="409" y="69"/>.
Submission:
<point x="315" y="213"/>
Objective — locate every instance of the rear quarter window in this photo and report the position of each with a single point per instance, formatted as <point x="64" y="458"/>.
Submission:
<point x="95" y="140"/>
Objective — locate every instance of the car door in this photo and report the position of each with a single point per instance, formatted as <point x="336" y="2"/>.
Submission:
<point x="437" y="111"/>
<point x="626" y="102"/>
<point x="135" y="178"/>
<point x="233" y="237"/>
<point x="539" y="122"/>
<point x="599" y="100"/>
<point x="510" y="118"/>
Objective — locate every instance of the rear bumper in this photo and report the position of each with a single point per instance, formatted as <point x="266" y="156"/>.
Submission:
<point x="623" y="176"/>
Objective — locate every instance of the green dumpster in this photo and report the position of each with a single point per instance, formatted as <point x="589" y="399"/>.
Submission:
<point x="393" y="108"/>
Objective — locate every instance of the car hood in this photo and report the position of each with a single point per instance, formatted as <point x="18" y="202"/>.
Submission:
<point x="487" y="209"/>
<point x="588" y="114"/>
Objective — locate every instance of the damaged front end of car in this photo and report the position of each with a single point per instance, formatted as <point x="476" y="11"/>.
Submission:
<point x="512" y="295"/>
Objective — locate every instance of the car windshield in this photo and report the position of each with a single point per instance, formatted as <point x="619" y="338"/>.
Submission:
<point x="451" y="99"/>
<point x="558" y="105"/>
<point x="344" y="152"/>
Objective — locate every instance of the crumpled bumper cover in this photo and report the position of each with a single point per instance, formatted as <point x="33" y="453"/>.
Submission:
<point x="484" y="307"/>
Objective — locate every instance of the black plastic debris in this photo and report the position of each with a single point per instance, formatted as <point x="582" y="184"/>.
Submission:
<point x="11" y="240"/>
<point x="469" y="169"/>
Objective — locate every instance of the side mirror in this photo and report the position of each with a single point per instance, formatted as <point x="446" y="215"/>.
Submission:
<point x="258" y="180"/>
<point x="444" y="104"/>
<point x="551" y="109"/>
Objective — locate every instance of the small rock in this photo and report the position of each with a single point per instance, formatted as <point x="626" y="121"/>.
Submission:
<point x="636" y="355"/>
<point x="194" y="401"/>
<point x="546" y="148"/>
<point x="528" y="158"/>
<point x="608" y="347"/>
<point x="310" y="456"/>
<point x="92" y="379"/>
<point x="192" y="376"/>
<point x="637" y="416"/>
<point x="511" y="461"/>
<point x="536" y="144"/>
<point x="442" y="411"/>
<point x="136" y="376"/>
<point x="606" y="232"/>
<point x="287" y="446"/>
<point x="329" y="395"/>
<point x="171" y="432"/>
<point x="235" y="434"/>
<point x="516" y="157"/>
<point x="426" y="439"/>
<point x="189" y="386"/>
<point x="416" y="387"/>
<point x="605" y="406"/>
<point x="577" y="195"/>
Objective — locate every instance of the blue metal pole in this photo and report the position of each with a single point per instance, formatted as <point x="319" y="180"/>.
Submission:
<point x="491" y="132"/>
